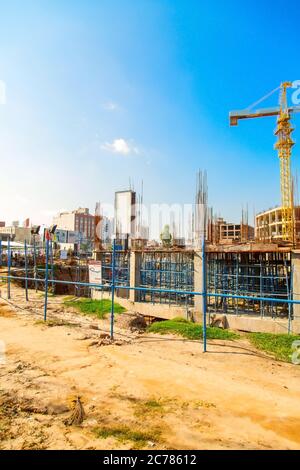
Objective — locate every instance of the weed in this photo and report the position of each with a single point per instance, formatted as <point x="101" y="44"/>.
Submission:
<point x="278" y="345"/>
<point x="189" y="330"/>
<point x="94" y="307"/>
<point x="125" y="433"/>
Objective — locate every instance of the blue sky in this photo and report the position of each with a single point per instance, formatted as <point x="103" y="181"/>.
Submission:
<point x="99" y="92"/>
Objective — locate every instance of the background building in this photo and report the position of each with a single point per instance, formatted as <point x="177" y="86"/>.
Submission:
<point x="16" y="234"/>
<point x="225" y="232"/>
<point x="26" y="223"/>
<point x="125" y="214"/>
<point x="106" y="229"/>
<point x="79" y="220"/>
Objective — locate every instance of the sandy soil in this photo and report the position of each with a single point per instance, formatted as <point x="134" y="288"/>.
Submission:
<point x="163" y="390"/>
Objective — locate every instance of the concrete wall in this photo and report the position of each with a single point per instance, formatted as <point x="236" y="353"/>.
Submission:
<point x="262" y="325"/>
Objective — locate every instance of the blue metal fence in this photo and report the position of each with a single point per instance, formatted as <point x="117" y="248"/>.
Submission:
<point x="116" y="281"/>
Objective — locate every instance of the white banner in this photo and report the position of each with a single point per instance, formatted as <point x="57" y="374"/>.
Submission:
<point x="95" y="272"/>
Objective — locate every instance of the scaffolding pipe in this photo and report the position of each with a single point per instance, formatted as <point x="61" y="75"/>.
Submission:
<point x="181" y="292"/>
<point x="46" y="279"/>
<point x="112" y="313"/>
<point x="8" y="267"/>
<point x="34" y="263"/>
<point x="26" y="271"/>
<point x="204" y="293"/>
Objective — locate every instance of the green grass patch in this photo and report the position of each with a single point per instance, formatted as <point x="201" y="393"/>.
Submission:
<point x="98" y="308"/>
<point x="124" y="434"/>
<point x="142" y="407"/>
<point x="149" y="408"/>
<point x="278" y="345"/>
<point x="189" y="330"/>
<point x="153" y="404"/>
<point x="52" y="323"/>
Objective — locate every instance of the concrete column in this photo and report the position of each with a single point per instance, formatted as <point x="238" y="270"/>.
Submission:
<point x="198" y="281"/>
<point x="96" y="294"/>
<point x="135" y="274"/>
<point x="295" y="260"/>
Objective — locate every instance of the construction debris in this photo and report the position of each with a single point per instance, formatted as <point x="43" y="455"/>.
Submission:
<point x="77" y="414"/>
<point x="135" y="322"/>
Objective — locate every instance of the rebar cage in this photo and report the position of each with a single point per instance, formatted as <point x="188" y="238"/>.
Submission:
<point x="253" y="275"/>
<point x="167" y="270"/>
<point x="122" y="270"/>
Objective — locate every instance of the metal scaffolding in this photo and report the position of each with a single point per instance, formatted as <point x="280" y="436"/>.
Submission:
<point x="249" y="274"/>
<point x="122" y="270"/>
<point x="167" y="270"/>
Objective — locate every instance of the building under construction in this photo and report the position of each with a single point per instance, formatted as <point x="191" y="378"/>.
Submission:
<point x="269" y="227"/>
<point x="256" y="271"/>
<point x="227" y="233"/>
<point x="236" y="265"/>
<point x="261" y="263"/>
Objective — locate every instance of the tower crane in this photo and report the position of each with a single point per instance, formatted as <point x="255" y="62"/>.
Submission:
<point x="283" y="145"/>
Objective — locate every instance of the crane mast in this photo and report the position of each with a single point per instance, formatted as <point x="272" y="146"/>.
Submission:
<point x="284" y="146"/>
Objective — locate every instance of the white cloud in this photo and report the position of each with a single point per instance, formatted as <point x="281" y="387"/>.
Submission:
<point x="121" y="146"/>
<point x="110" y="106"/>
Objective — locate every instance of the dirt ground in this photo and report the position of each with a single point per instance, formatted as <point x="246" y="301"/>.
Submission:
<point x="146" y="391"/>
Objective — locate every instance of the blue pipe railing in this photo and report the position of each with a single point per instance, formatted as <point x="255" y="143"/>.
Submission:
<point x="158" y="290"/>
<point x="114" y="285"/>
